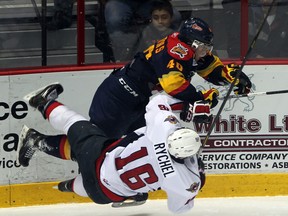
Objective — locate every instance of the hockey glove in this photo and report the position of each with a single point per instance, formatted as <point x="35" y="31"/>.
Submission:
<point x="201" y="112"/>
<point x="186" y="114"/>
<point x="243" y="83"/>
<point x="210" y="96"/>
<point x="198" y="113"/>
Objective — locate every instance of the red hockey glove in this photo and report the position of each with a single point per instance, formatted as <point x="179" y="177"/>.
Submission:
<point x="201" y="112"/>
<point x="198" y="113"/>
<point x="210" y="96"/>
<point x="243" y="83"/>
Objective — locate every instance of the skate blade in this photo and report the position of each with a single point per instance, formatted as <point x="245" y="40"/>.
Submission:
<point x="55" y="187"/>
<point x="22" y="135"/>
<point x="33" y="93"/>
<point x="127" y="203"/>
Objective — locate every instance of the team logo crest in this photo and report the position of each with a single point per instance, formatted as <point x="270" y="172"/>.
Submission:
<point x="172" y="119"/>
<point x="194" y="187"/>
<point x="180" y="50"/>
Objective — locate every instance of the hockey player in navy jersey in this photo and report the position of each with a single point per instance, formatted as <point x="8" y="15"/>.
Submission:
<point x="119" y="102"/>
<point x="162" y="155"/>
<point x="168" y="65"/>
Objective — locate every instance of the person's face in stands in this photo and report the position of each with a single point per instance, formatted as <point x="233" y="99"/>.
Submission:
<point x="161" y="19"/>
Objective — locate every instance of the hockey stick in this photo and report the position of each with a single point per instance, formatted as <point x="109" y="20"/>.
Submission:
<point x="255" y="94"/>
<point x="237" y="75"/>
<point x="36" y="11"/>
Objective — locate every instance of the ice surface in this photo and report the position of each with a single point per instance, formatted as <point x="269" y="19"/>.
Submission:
<point x="244" y="206"/>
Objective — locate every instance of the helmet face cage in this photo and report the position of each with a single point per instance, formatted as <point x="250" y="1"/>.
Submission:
<point x="202" y="47"/>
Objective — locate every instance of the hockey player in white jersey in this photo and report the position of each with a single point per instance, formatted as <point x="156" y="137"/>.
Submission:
<point x="162" y="155"/>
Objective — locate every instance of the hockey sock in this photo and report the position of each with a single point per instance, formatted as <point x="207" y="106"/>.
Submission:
<point x="58" y="146"/>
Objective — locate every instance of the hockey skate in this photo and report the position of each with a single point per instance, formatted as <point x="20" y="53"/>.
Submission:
<point x="29" y="143"/>
<point x="42" y="96"/>
<point x="65" y="186"/>
<point x="136" y="200"/>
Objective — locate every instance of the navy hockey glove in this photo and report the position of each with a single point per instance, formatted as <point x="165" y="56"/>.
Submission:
<point x="186" y="114"/>
<point x="210" y="96"/>
<point x="244" y="85"/>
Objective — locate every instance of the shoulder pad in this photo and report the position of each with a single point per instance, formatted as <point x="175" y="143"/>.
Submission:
<point x="177" y="49"/>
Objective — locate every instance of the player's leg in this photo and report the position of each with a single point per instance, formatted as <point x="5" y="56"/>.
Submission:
<point x="73" y="185"/>
<point x="86" y="140"/>
<point x="31" y="141"/>
<point x="40" y="98"/>
<point x="113" y="108"/>
<point x="59" y="116"/>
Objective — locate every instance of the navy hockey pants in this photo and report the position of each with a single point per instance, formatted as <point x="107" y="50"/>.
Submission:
<point x="118" y="107"/>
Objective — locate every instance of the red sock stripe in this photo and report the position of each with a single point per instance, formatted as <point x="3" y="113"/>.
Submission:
<point x="51" y="107"/>
<point x="62" y="147"/>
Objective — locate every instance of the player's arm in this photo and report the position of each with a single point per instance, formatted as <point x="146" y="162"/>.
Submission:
<point x="180" y="204"/>
<point x="174" y="75"/>
<point x="175" y="84"/>
<point x="173" y="66"/>
<point x="159" y="115"/>
<point x="213" y="70"/>
<point x="181" y="196"/>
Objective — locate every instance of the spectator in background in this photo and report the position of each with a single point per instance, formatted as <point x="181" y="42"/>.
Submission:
<point x="160" y="25"/>
<point x="273" y="39"/>
<point x="232" y="20"/>
<point x="62" y="17"/>
<point x="125" y="20"/>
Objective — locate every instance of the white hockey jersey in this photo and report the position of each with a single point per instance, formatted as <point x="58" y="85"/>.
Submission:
<point x="143" y="164"/>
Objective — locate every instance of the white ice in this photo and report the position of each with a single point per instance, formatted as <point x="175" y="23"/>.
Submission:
<point x="244" y="206"/>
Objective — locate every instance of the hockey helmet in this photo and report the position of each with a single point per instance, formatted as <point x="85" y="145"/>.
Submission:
<point x="196" y="29"/>
<point x="183" y="143"/>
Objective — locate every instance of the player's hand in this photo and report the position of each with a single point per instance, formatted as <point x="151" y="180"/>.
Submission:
<point x="243" y="83"/>
<point x="210" y="96"/>
<point x="186" y="114"/>
<point x="201" y="112"/>
<point x="229" y="72"/>
<point x="198" y="113"/>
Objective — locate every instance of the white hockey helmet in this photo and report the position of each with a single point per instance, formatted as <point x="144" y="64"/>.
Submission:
<point x="183" y="143"/>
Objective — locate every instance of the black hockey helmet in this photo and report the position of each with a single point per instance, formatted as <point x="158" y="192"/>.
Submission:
<point x="196" y="29"/>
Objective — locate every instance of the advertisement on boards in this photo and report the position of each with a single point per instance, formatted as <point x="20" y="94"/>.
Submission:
<point x="251" y="133"/>
<point x="79" y="88"/>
